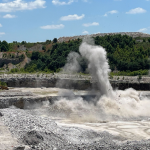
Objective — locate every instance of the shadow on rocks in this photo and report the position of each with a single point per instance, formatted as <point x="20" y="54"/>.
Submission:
<point x="19" y="148"/>
<point x="32" y="138"/>
<point x="1" y="114"/>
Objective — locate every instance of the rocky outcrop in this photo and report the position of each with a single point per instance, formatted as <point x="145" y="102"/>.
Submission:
<point x="20" y="99"/>
<point x="37" y="47"/>
<point x="132" y="34"/>
<point x="79" y="82"/>
<point x="8" y="60"/>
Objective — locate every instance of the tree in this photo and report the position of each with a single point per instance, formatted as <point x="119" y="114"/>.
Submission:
<point x="44" y="48"/>
<point x="48" y="41"/>
<point x="149" y="40"/>
<point x="23" y="42"/>
<point x="21" y="57"/>
<point x="35" y="55"/>
<point x="4" y="48"/>
<point x="55" y="40"/>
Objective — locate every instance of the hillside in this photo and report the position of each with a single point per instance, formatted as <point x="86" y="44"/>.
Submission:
<point x="126" y="51"/>
<point x="132" y="34"/>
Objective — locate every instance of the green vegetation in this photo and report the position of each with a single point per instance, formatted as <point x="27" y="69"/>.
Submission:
<point x="3" y="84"/>
<point x="54" y="59"/>
<point x="129" y="73"/>
<point x="4" y="46"/>
<point x="126" y="55"/>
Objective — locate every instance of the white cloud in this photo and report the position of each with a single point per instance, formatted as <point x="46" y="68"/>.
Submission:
<point x="113" y="12"/>
<point x="18" y="5"/>
<point x="91" y="24"/>
<point x="136" y="11"/>
<point x="142" y="30"/>
<point x="97" y="33"/>
<point x="0" y="25"/>
<point x="72" y="17"/>
<point x="57" y="2"/>
<point x="9" y="16"/>
<point x="110" y="12"/>
<point x="60" y="26"/>
<point x="85" y="32"/>
<point x="2" y="33"/>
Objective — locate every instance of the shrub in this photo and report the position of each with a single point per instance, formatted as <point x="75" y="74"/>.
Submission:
<point x="21" y="57"/>
<point x="4" y="55"/>
<point x="3" y="84"/>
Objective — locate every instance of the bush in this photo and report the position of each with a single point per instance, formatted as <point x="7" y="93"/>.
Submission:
<point x="12" y="55"/>
<point x="4" y="55"/>
<point x="139" y="77"/>
<point x="130" y="73"/>
<point x="44" y="48"/>
<point x="29" y="55"/>
<point x="21" y="57"/>
<point x="3" y="84"/>
<point x="14" y="70"/>
<point x="144" y="40"/>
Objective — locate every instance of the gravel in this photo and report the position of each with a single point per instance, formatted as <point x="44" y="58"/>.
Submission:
<point x="44" y="134"/>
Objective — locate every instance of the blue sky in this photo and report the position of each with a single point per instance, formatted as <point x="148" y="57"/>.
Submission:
<point x="39" y="20"/>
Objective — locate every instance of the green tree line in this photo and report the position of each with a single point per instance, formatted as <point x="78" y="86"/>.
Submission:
<point x="123" y="52"/>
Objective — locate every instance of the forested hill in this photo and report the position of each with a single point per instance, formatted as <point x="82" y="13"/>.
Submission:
<point x="124" y="53"/>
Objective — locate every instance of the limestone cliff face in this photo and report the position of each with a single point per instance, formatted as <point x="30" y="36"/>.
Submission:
<point x="68" y="83"/>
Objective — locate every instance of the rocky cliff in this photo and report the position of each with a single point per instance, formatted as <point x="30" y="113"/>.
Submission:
<point x="80" y="82"/>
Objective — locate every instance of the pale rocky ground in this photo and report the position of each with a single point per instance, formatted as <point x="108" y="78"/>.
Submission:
<point x="37" y="129"/>
<point x="6" y="140"/>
